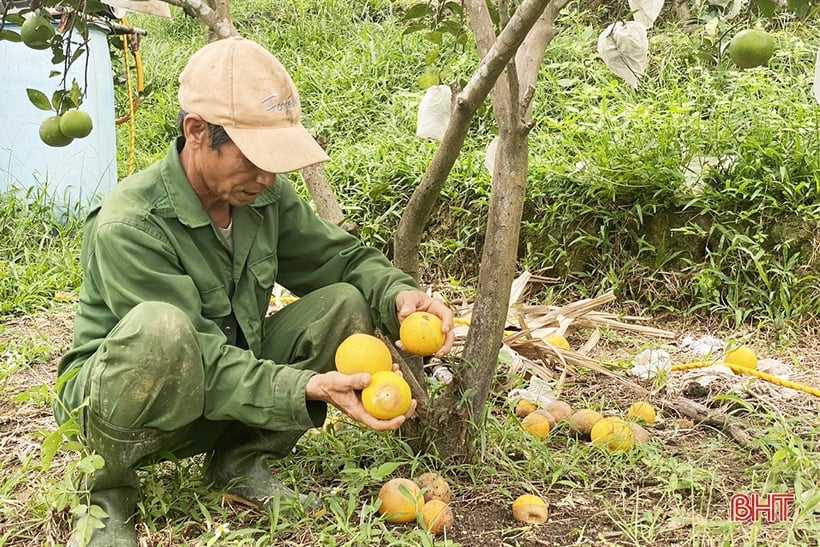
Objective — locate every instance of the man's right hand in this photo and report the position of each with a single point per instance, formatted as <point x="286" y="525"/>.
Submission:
<point x="343" y="392"/>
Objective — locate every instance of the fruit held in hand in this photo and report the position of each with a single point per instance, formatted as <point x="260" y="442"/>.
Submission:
<point x="437" y="516"/>
<point x="75" y="124"/>
<point x="434" y="487"/>
<point x="362" y="352"/>
<point x="751" y="47"/>
<point x="530" y="509"/>
<point x="37" y="31"/>
<point x="641" y="410"/>
<point x="387" y="396"/>
<point x="50" y="133"/>
<point x="401" y="500"/>
<point x="420" y="333"/>
<point x="613" y="434"/>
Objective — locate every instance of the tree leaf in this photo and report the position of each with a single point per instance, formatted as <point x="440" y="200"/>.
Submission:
<point x="38" y="99"/>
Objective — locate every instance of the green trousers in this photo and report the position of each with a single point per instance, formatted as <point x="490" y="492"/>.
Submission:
<point x="133" y="391"/>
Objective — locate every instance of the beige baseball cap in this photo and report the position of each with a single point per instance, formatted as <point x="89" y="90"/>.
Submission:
<point x="238" y="84"/>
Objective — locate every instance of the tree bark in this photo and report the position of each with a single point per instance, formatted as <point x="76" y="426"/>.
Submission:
<point x="323" y="197"/>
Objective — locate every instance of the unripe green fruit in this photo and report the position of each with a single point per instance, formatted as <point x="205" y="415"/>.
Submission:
<point x="50" y="133"/>
<point x="75" y="124"/>
<point x="37" y="32"/>
<point x="751" y="47"/>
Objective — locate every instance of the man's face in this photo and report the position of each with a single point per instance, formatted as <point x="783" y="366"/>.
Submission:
<point x="231" y="177"/>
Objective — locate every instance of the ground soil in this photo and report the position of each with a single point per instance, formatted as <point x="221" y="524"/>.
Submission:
<point x="482" y="513"/>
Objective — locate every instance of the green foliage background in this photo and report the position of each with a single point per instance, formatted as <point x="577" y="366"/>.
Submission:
<point x="608" y="204"/>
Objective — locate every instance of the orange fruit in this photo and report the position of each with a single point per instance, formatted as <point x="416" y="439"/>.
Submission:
<point x="641" y="410"/>
<point x="420" y="333"/>
<point x="434" y="487"/>
<point x="530" y="509"/>
<point x="559" y="409"/>
<point x="537" y="424"/>
<point x="613" y="434"/>
<point x="582" y="421"/>
<point x="558" y="341"/>
<point x="751" y="47"/>
<point x="37" y="31"/>
<point x="387" y="396"/>
<point x="742" y="356"/>
<point x="75" y="124"/>
<point x="524" y="407"/>
<point x="437" y="516"/>
<point x="362" y="352"/>
<point x="50" y="133"/>
<point x="401" y="500"/>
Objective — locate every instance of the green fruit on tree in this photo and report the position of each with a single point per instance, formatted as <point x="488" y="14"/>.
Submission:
<point x="37" y="32"/>
<point x="751" y="47"/>
<point x="75" y="124"/>
<point x="50" y="133"/>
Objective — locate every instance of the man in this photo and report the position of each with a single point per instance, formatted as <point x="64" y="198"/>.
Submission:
<point x="172" y="350"/>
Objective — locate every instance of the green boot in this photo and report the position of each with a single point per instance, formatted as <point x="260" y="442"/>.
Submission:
<point x="239" y="467"/>
<point x="114" y="488"/>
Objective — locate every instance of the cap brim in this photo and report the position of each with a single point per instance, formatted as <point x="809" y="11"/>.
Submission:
<point x="278" y="150"/>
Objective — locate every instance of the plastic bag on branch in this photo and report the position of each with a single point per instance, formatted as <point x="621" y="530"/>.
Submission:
<point x="434" y="112"/>
<point x="645" y="11"/>
<point x="489" y="155"/>
<point x="816" y="86"/>
<point x="623" y="46"/>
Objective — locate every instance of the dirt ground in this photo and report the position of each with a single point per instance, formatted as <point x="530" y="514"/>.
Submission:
<point x="483" y="520"/>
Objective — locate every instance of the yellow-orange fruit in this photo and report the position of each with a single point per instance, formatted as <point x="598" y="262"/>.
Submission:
<point x="641" y="410"/>
<point x="434" y="487"/>
<point x="546" y="413"/>
<point x="401" y="500"/>
<point x="388" y="395"/>
<point x="437" y="517"/>
<point x="560" y="409"/>
<point x="524" y="407"/>
<point x="742" y="356"/>
<point x="530" y="509"/>
<point x="558" y="341"/>
<point x="581" y="421"/>
<point x="613" y="434"/>
<point x="420" y="333"/>
<point x="536" y="424"/>
<point x="362" y="352"/>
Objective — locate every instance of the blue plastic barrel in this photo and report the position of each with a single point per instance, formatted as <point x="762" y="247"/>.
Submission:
<point x="73" y="176"/>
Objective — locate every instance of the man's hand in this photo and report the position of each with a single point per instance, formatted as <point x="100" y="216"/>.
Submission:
<point x="408" y="302"/>
<point x="340" y="390"/>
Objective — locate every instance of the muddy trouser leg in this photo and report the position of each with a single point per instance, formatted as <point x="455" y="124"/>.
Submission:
<point x="145" y="387"/>
<point x="304" y="334"/>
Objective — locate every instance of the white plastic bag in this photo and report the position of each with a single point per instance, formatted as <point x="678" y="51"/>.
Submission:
<point x="489" y="155"/>
<point x="434" y="113"/>
<point x="624" y="47"/>
<point x="645" y="11"/>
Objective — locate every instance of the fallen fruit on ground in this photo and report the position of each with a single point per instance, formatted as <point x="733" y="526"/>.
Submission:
<point x="751" y="47"/>
<point x="434" y="487"/>
<point x="536" y="424"/>
<point x="548" y="415"/>
<point x="437" y="517"/>
<point x="401" y="500"/>
<point x="530" y="509"/>
<point x="581" y="421"/>
<point x="557" y="340"/>
<point x="641" y="410"/>
<point x="613" y="434"/>
<point x="75" y="124"/>
<point x="640" y="434"/>
<point x="362" y="352"/>
<point x="50" y="133"/>
<point x="388" y="395"/>
<point x="524" y="407"/>
<point x="420" y="333"/>
<point x="560" y="409"/>
<point x="36" y="32"/>
<point x="742" y="356"/>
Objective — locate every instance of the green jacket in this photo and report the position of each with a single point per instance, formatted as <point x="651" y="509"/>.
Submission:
<point x="150" y="239"/>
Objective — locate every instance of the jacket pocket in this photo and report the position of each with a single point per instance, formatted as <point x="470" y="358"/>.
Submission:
<point x="215" y="303"/>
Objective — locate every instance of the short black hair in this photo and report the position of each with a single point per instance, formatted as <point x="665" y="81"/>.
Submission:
<point x="217" y="133"/>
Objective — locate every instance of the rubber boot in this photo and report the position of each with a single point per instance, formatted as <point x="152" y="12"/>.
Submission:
<point x="115" y="487"/>
<point x="239" y="466"/>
